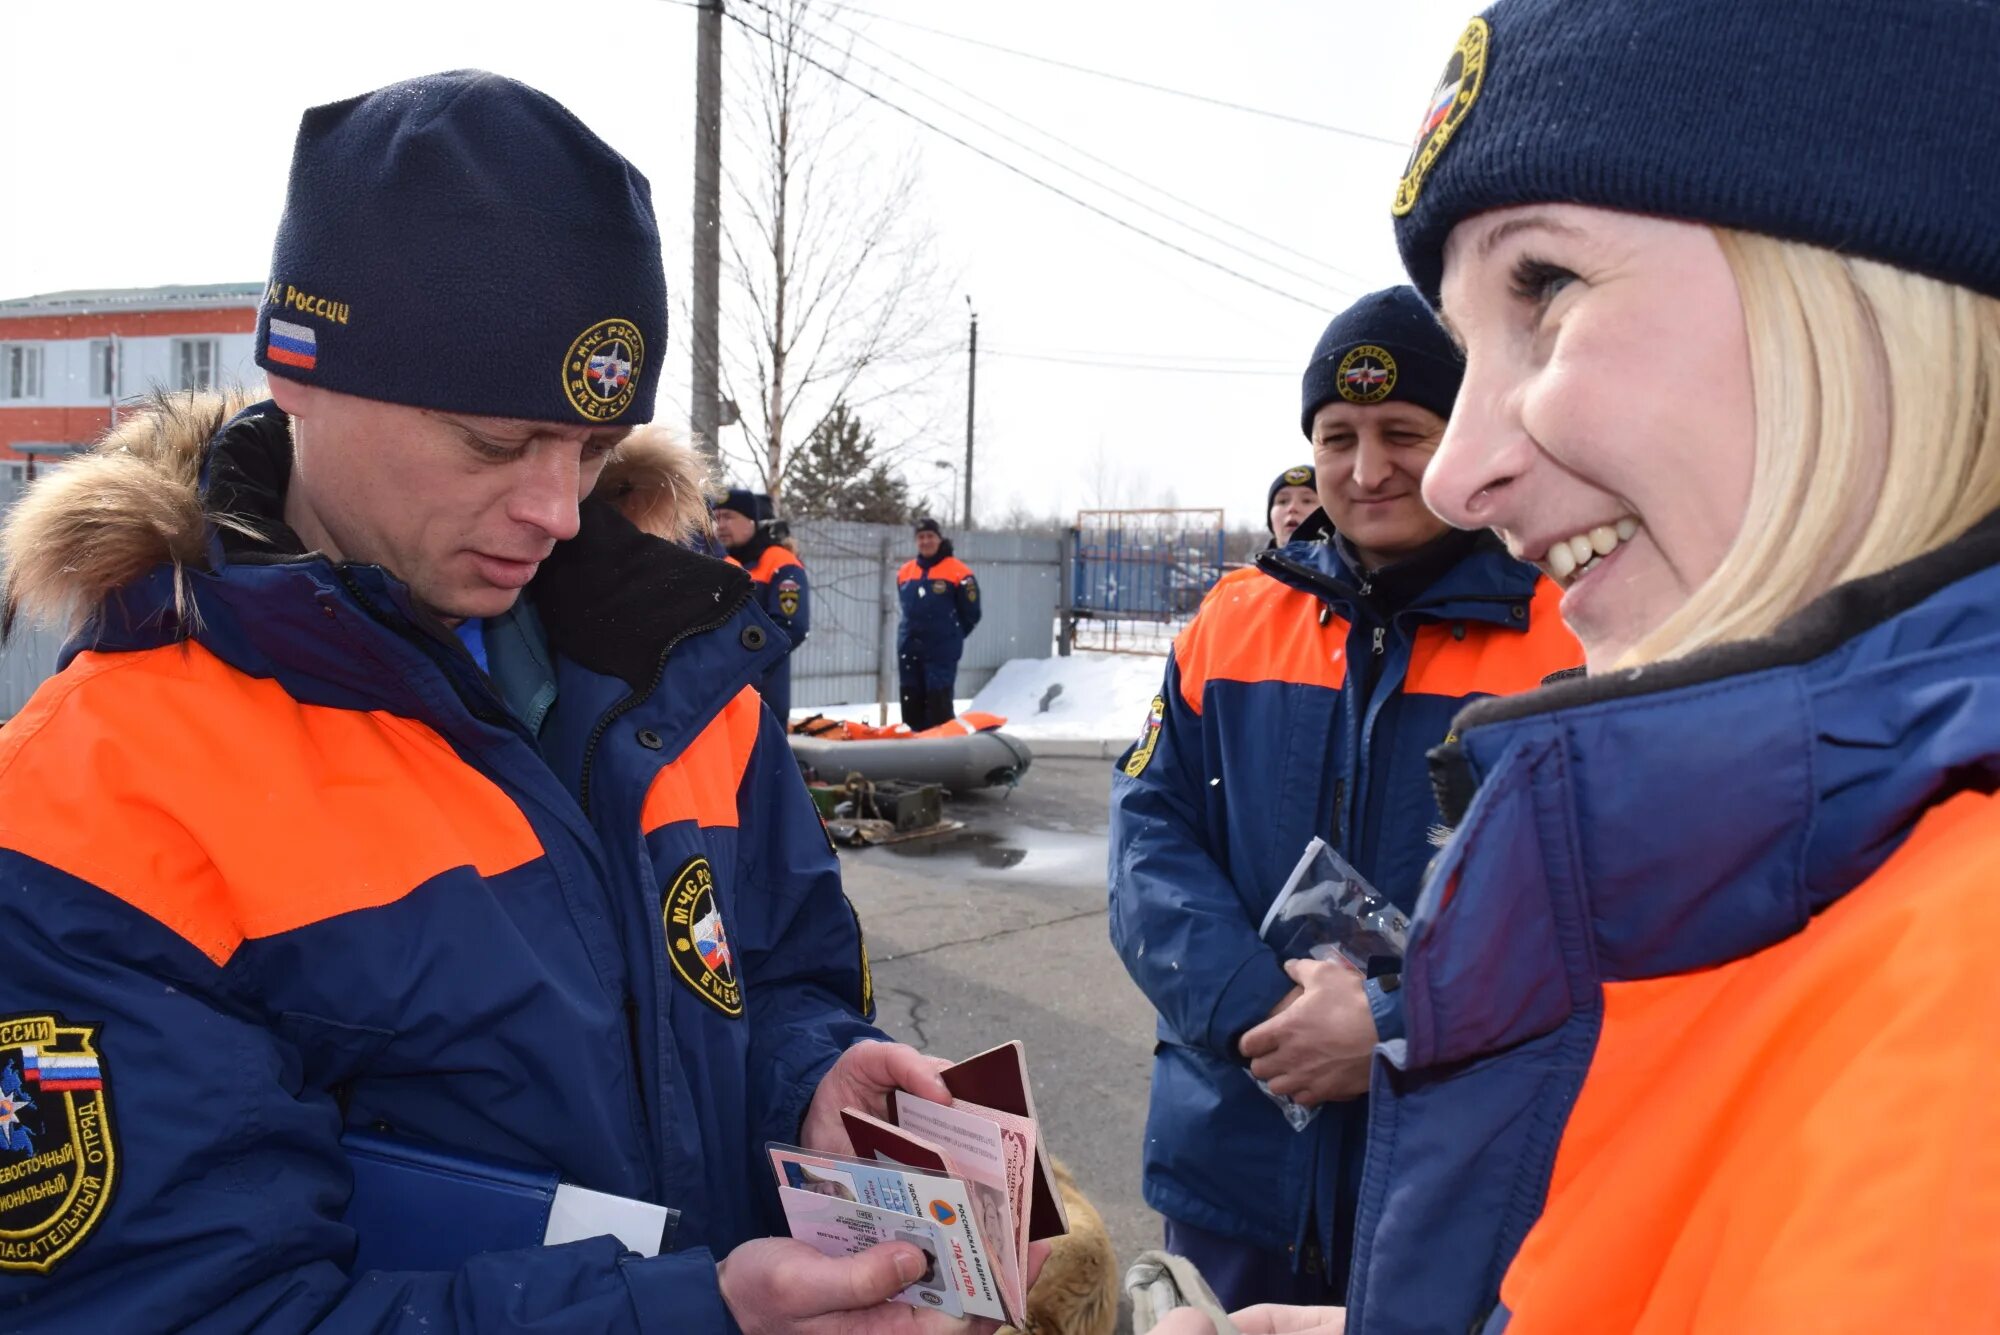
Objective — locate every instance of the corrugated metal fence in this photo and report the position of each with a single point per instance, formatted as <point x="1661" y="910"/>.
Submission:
<point x="851" y="654"/>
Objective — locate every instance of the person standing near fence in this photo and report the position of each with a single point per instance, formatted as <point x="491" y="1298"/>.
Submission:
<point x="940" y="601"/>
<point x="742" y="523"/>
<point x="1301" y="702"/>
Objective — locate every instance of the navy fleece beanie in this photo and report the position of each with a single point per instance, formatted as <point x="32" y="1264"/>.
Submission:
<point x="753" y="505"/>
<point x="1386" y="346"/>
<point x="1862" y="126"/>
<point x="1302" y="476"/>
<point x="462" y="242"/>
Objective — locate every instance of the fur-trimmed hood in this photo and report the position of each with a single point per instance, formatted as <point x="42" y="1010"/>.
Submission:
<point x="134" y="501"/>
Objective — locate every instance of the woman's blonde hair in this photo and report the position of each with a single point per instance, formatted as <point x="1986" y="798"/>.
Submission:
<point x="1845" y="354"/>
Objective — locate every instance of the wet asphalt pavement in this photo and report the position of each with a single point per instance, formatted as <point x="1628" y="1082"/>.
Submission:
<point x="997" y="932"/>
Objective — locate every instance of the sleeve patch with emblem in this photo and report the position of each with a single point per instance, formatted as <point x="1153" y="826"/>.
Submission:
<point x="1149" y="738"/>
<point x="58" y="1161"/>
<point x="697" y="942"/>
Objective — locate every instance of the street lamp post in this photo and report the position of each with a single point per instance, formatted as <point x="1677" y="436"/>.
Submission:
<point x="951" y="468"/>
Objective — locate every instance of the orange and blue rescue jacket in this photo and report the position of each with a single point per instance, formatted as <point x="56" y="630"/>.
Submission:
<point x="1300" y="702"/>
<point x="279" y="861"/>
<point x="940" y="601"/>
<point x="779" y="580"/>
<point x="1701" y="1006"/>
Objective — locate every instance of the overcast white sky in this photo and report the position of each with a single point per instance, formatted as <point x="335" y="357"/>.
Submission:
<point x="147" y="143"/>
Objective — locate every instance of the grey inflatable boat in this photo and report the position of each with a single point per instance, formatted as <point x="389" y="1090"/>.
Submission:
<point x="974" y="760"/>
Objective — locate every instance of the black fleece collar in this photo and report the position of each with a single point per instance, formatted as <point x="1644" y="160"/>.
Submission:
<point x="248" y="469"/>
<point x="750" y="552"/>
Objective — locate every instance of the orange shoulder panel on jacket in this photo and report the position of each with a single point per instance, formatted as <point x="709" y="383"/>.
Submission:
<point x="701" y="784"/>
<point x="224" y="809"/>
<point x="1254" y="628"/>
<point x="772" y="561"/>
<point x="951" y="568"/>
<point x="1807" y="1139"/>
<point x="1493" y="660"/>
<point x="908" y="571"/>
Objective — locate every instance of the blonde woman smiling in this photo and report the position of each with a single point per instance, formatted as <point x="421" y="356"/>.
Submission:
<point x="1702" y="1003"/>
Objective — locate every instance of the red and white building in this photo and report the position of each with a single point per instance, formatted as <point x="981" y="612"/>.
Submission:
<point x="69" y="360"/>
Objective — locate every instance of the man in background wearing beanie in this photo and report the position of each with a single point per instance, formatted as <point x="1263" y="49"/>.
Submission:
<point x="390" y="783"/>
<point x="940" y="601"/>
<point x="741" y="522"/>
<point x="1290" y="501"/>
<point x="1301" y="703"/>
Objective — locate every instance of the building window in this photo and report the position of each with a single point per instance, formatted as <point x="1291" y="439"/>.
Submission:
<point x="21" y="371"/>
<point x="103" y="369"/>
<point x="197" y="362"/>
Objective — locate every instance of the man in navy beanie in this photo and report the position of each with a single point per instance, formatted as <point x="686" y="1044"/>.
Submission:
<point x="1301" y="702"/>
<point x="397" y="787"/>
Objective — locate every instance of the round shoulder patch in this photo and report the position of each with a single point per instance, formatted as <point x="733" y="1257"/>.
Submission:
<point x="697" y="942"/>
<point x="601" y="372"/>
<point x="1464" y="78"/>
<point x="1367" y="374"/>
<point x="58" y="1161"/>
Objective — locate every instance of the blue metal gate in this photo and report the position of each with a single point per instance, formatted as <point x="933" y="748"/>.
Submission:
<point x="1137" y="576"/>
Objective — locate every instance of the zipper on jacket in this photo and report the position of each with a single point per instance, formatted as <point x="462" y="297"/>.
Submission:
<point x="1381" y="640"/>
<point x="632" y="701"/>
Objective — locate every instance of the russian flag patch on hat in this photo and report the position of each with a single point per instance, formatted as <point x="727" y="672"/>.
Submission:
<point x="293" y="345"/>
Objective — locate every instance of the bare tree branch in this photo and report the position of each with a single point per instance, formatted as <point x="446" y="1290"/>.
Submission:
<point x="834" y="289"/>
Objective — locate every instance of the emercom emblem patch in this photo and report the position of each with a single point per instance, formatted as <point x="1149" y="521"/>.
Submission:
<point x="1142" y="753"/>
<point x="697" y="942"/>
<point x="58" y="1161"/>
<point x="1464" y="79"/>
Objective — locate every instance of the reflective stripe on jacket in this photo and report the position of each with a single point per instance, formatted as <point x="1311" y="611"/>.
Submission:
<point x="1291" y="709"/>
<point x="1701" y="1007"/>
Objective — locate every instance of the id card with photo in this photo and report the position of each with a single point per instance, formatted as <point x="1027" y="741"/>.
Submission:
<point x="836" y="1227"/>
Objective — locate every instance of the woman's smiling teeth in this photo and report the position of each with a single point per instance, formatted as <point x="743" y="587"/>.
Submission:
<point x="1570" y="559"/>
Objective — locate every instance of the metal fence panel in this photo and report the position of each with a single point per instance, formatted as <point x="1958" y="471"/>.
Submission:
<point x="1137" y="576"/>
<point x="851" y="653"/>
<point x="28" y="658"/>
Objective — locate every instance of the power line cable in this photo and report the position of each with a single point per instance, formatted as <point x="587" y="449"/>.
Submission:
<point x="1154" y="209"/>
<point x="1025" y="174"/>
<point x="1090" y="157"/>
<point x="1155" y="367"/>
<point x="1127" y="79"/>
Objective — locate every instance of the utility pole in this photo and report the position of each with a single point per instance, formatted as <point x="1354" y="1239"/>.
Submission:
<point x="706" y="289"/>
<point x="971" y="391"/>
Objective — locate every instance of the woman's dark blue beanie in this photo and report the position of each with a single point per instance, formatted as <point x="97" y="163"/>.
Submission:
<point x="462" y="242"/>
<point x="1861" y="126"/>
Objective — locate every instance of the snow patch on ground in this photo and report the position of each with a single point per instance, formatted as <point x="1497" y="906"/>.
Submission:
<point x="1104" y="697"/>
